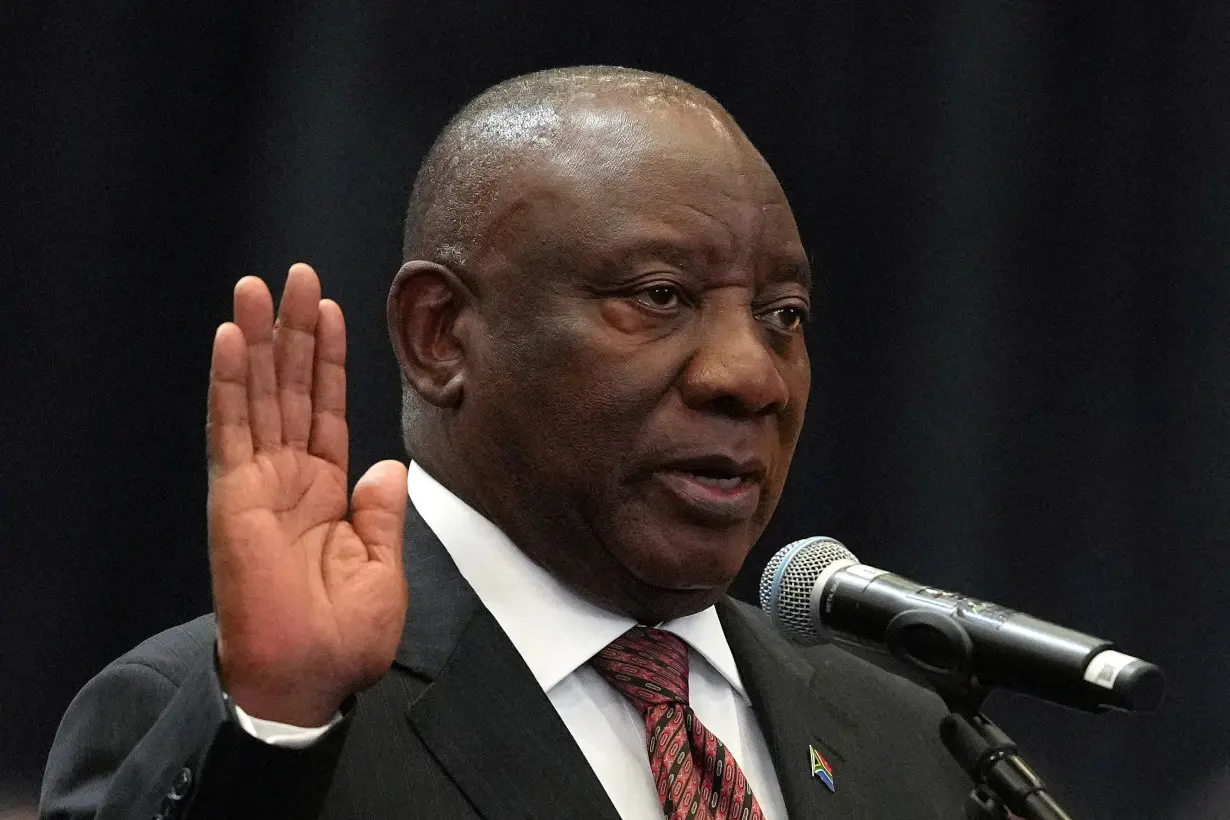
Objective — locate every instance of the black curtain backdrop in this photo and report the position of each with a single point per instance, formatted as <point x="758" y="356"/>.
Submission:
<point x="1020" y="213"/>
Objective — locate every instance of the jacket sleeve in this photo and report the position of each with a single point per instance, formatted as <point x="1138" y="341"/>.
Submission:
<point x="137" y="742"/>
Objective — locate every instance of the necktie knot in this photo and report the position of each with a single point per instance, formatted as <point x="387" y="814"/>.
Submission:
<point x="647" y="666"/>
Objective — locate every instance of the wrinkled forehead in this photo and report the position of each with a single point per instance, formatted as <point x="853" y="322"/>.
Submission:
<point x="617" y="154"/>
<point x="646" y="157"/>
<point x="607" y="171"/>
<point x="666" y="138"/>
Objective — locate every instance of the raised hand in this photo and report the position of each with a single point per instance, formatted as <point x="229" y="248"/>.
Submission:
<point x="310" y="602"/>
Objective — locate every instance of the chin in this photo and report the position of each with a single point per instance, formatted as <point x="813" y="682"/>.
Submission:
<point x="652" y="605"/>
<point x="709" y="566"/>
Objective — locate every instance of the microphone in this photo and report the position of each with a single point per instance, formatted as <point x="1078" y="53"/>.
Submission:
<point x="816" y="588"/>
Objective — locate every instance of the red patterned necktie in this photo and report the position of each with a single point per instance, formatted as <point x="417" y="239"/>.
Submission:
<point x="696" y="775"/>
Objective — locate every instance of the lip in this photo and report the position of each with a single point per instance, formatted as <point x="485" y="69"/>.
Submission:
<point x="710" y="504"/>
<point x="750" y="467"/>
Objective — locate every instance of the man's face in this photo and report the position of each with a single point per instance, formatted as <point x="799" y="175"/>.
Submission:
<point x="640" y="378"/>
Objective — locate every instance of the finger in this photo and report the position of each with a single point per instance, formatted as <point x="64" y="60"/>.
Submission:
<point x="227" y="434"/>
<point x="293" y="345"/>
<point x="330" y="439"/>
<point x="378" y="511"/>
<point x="254" y="315"/>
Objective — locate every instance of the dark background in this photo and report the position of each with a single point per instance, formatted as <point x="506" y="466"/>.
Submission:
<point x="1020" y="213"/>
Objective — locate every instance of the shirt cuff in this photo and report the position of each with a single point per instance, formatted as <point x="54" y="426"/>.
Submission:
<point x="282" y="734"/>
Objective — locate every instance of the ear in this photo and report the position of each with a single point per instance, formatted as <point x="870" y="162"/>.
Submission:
<point x="425" y="305"/>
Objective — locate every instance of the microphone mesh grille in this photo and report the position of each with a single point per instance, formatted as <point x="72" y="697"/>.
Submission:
<point x="788" y="601"/>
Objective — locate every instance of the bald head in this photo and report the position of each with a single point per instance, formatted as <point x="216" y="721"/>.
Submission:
<point x="524" y="120"/>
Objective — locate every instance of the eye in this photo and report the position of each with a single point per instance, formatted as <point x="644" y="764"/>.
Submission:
<point x="789" y="318"/>
<point x="660" y="297"/>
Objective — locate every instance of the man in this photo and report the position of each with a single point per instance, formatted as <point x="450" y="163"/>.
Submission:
<point x="600" y="332"/>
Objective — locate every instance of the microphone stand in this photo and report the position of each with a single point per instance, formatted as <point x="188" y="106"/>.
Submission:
<point x="1005" y="787"/>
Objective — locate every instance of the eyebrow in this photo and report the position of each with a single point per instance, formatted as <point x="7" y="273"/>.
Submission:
<point x="680" y="253"/>
<point x="676" y="252"/>
<point x="799" y="272"/>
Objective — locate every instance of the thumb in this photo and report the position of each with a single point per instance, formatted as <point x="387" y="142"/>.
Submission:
<point x="378" y="511"/>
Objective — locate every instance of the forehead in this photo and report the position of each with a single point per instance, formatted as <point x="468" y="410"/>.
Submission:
<point x="629" y="172"/>
<point x="634" y="149"/>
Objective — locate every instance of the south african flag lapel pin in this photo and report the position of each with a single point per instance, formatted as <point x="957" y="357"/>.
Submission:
<point x="820" y="768"/>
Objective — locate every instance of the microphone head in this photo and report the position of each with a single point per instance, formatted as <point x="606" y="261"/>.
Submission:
<point x="787" y="582"/>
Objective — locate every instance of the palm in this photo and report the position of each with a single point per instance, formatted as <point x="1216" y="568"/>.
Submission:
<point x="310" y="604"/>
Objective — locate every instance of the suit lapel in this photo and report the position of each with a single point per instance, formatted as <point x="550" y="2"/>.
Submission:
<point x="483" y="715"/>
<point x="795" y="715"/>
<point x="497" y="735"/>
<point x="441" y="602"/>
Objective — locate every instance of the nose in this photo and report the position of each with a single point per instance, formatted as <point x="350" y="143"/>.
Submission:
<point x="734" y="370"/>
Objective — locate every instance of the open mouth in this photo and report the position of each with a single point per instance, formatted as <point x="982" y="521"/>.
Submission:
<point x="713" y="492"/>
<point x="721" y="481"/>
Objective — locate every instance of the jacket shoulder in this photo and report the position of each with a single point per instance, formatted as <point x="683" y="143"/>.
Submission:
<point x="174" y="652"/>
<point x="109" y="722"/>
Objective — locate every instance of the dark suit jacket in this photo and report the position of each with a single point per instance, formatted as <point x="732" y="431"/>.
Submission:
<point x="459" y="728"/>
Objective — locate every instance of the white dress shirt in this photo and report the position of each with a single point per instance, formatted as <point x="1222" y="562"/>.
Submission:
<point x="556" y="632"/>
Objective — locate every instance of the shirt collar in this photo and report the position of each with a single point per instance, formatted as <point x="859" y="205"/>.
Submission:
<point x="554" y="629"/>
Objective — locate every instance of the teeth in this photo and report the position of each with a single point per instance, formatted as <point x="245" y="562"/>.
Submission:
<point x="724" y="483"/>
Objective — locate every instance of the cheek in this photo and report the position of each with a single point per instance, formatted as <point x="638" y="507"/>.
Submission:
<point x="584" y="366"/>
<point x="571" y="405"/>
